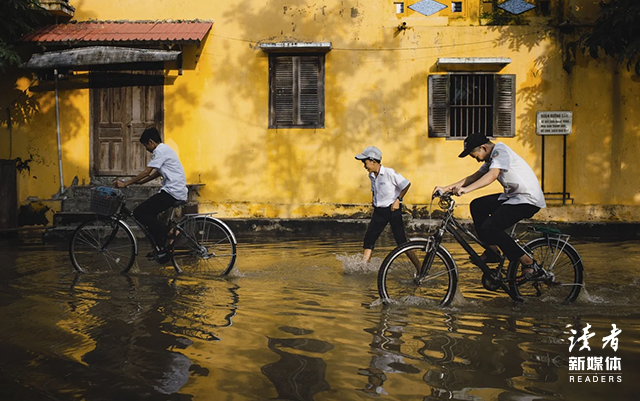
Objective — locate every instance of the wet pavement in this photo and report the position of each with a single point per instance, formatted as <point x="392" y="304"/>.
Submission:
<point x="300" y="320"/>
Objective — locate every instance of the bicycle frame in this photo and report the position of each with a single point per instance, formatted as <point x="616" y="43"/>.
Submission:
<point x="453" y="227"/>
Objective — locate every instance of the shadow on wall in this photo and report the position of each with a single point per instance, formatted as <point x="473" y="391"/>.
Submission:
<point x="312" y="159"/>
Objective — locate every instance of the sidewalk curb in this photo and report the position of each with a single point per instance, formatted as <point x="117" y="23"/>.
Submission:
<point x="339" y="227"/>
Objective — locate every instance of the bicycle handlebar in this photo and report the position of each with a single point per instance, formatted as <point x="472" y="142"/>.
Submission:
<point x="446" y="199"/>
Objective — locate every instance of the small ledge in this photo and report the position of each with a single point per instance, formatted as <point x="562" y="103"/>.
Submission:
<point x="58" y="8"/>
<point x="296" y="47"/>
<point x="465" y="63"/>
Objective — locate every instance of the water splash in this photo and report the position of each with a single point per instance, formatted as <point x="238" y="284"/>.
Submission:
<point x="584" y="296"/>
<point x="235" y="272"/>
<point x="353" y="264"/>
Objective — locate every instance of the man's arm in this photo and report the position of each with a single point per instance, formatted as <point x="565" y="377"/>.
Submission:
<point x="482" y="182"/>
<point x="143" y="175"/>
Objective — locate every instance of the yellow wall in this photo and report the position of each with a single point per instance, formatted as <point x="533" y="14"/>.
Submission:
<point x="216" y="114"/>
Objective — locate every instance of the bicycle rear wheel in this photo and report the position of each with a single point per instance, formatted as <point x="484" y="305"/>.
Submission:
<point x="561" y="262"/>
<point x="102" y="245"/>
<point x="398" y="279"/>
<point x="204" y="246"/>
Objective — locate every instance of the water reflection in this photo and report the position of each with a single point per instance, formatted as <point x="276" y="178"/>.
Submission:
<point x="294" y="326"/>
<point x="465" y="357"/>
<point x="138" y="326"/>
<point x="297" y="376"/>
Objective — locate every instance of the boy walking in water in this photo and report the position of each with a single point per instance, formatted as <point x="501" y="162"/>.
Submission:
<point x="388" y="189"/>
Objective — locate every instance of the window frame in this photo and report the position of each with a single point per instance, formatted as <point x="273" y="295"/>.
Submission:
<point x="439" y="103"/>
<point x="297" y="89"/>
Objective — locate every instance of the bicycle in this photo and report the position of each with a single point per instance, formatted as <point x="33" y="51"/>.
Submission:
<point x="203" y="244"/>
<point x="559" y="278"/>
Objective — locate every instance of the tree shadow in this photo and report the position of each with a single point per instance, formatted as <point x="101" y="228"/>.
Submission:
<point x="305" y="166"/>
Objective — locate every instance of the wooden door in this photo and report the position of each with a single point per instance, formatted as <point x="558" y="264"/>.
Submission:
<point x="8" y="194"/>
<point x="119" y="116"/>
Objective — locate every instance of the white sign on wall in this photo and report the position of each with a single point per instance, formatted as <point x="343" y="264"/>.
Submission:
<point x="554" y="122"/>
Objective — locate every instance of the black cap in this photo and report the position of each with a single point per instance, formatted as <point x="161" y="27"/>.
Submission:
<point x="473" y="141"/>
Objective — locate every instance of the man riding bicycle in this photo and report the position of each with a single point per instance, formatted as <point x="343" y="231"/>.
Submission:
<point x="164" y="162"/>
<point x="493" y="214"/>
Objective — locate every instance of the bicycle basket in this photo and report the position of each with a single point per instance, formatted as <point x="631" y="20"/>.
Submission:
<point x="105" y="200"/>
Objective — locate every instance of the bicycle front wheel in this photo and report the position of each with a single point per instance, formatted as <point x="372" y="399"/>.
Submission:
<point x="204" y="246"/>
<point x="399" y="280"/>
<point x="563" y="267"/>
<point x="102" y="245"/>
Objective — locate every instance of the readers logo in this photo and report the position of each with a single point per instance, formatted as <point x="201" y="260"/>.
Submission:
<point x="594" y="369"/>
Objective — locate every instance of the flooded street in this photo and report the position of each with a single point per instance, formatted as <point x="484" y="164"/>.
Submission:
<point x="300" y="320"/>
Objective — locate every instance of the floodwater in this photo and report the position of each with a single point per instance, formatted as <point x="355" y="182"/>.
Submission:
<point x="300" y="320"/>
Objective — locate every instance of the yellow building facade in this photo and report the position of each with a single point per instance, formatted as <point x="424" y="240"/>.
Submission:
<point x="377" y="59"/>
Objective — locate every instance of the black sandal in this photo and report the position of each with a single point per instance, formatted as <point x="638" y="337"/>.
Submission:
<point x="171" y="237"/>
<point x="528" y="272"/>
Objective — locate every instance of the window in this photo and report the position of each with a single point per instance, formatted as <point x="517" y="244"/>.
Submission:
<point x="296" y="85"/>
<point x="544" y="7"/>
<point x="460" y="104"/>
<point x="456" y="6"/>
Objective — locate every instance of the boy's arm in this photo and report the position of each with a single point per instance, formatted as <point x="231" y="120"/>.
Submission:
<point x="155" y="174"/>
<point x="466" y="181"/>
<point x="486" y="179"/>
<point x="141" y="176"/>
<point x="396" y="203"/>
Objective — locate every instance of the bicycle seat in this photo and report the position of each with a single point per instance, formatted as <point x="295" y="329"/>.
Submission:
<point x="178" y="203"/>
<point x="546" y="230"/>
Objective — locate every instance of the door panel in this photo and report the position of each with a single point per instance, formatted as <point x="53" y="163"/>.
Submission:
<point x="119" y="116"/>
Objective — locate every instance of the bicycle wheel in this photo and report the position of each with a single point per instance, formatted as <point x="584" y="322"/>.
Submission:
<point x="563" y="267"/>
<point x="204" y="246"/>
<point x="102" y="245"/>
<point x="398" y="281"/>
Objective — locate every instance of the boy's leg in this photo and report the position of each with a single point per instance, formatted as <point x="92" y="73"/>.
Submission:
<point x="481" y="208"/>
<point x="504" y="217"/>
<point x="378" y="222"/>
<point x="147" y="214"/>
<point x="397" y="226"/>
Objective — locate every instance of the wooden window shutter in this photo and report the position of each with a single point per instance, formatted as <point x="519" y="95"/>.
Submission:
<point x="438" y="106"/>
<point x="310" y="90"/>
<point x="296" y="92"/>
<point x="504" y="124"/>
<point x="282" y="92"/>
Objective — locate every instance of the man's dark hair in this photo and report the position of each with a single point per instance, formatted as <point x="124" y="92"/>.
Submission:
<point x="150" y="134"/>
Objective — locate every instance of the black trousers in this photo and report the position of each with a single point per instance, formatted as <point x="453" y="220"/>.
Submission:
<point x="147" y="214"/>
<point x="491" y="218"/>
<point x="381" y="217"/>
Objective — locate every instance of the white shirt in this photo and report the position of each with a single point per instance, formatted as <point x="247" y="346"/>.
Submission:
<point x="386" y="187"/>
<point x="166" y="161"/>
<point x="518" y="179"/>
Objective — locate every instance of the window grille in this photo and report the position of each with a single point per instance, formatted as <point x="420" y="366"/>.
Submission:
<point x="461" y="104"/>
<point x="471" y="105"/>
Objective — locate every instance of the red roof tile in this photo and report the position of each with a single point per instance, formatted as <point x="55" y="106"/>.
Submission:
<point x="122" y="31"/>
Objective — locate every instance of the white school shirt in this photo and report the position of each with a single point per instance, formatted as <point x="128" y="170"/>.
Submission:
<point x="518" y="179"/>
<point x="386" y="187"/>
<point x="166" y="161"/>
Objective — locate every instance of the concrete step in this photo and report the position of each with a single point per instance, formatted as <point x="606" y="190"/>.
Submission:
<point x="79" y="197"/>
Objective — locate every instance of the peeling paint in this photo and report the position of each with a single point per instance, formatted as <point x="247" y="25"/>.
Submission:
<point x="33" y="214"/>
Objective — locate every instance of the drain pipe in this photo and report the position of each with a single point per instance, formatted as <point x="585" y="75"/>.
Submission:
<point x="55" y="73"/>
